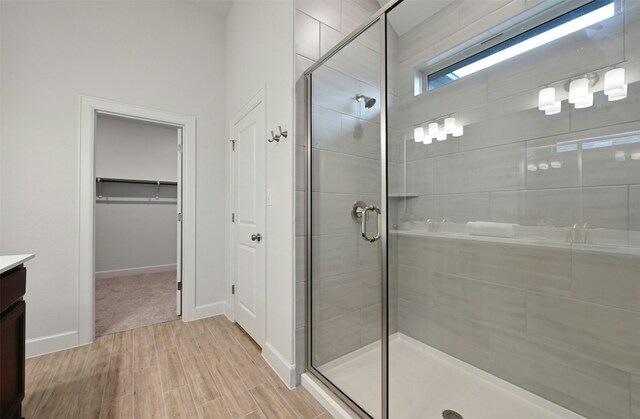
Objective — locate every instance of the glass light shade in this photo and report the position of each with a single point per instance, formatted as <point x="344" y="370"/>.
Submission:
<point x="547" y="99"/>
<point x="614" y="85"/>
<point x="441" y="136"/>
<point x="427" y="140"/>
<point x="543" y="165"/>
<point x="418" y="134"/>
<point x="532" y="167"/>
<point x="578" y="90"/>
<point x="618" y="94"/>
<point x="584" y="103"/>
<point x="458" y="131"/>
<point x="433" y="129"/>
<point x="635" y="155"/>
<point x="555" y="164"/>
<point x="449" y="125"/>
<point x="620" y="155"/>
<point x="556" y="108"/>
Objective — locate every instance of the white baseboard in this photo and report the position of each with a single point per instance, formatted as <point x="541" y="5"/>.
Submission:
<point x="286" y="371"/>
<point x="46" y="344"/>
<point x="208" y="310"/>
<point x="119" y="273"/>
<point x="323" y="395"/>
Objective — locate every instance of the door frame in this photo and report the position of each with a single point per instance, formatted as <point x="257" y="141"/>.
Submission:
<point x="90" y="107"/>
<point x="257" y="99"/>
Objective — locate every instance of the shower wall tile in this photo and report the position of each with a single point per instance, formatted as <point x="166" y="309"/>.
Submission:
<point x="301" y="159"/>
<point x="429" y="254"/>
<point x="634" y="207"/>
<point x="562" y="59"/>
<point x="371" y="323"/>
<point x="300" y="215"/>
<point x="338" y="295"/>
<point x="420" y="151"/>
<point x="326" y="128"/>
<point x="359" y="137"/>
<point x="605" y="278"/>
<point x="335" y="337"/>
<point x="562" y="207"/>
<point x="358" y="61"/>
<point x="505" y="207"/>
<point x="332" y="212"/>
<point x="494" y="308"/>
<point x="632" y="29"/>
<point x="414" y="284"/>
<point x="329" y="38"/>
<point x="546" y="151"/>
<point x="494" y="169"/>
<point x="307" y="40"/>
<point x="422" y="208"/>
<point x="334" y="254"/>
<point x="419" y="176"/>
<point x="635" y="397"/>
<point x="301" y="257"/>
<point x="461" y="208"/>
<point x="441" y="25"/>
<point x="326" y="11"/>
<point x="603" y="334"/>
<point x="335" y="90"/>
<point x="533" y="268"/>
<point x="605" y="113"/>
<point x="606" y="207"/>
<point x="353" y="15"/>
<point x="337" y="172"/>
<point x="565" y="377"/>
<point x="600" y="167"/>
<point x="472" y="10"/>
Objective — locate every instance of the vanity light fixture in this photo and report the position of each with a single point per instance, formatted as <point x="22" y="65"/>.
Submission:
<point x="449" y="125"/>
<point x="532" y="167"/>
<point x="621" y="155"/>
<point x="579" y="94"/>
<point x="441" y="136"/>
<point x="458" y="131"/>
<point x="614" y="84"/>
<point x="635" y="154"/>
<point x="555" y="164"/>
<point x="547" y="101"/>
<point x="543" y="165"/>
<point x="433" y="129"/>
<point x="418" y="134"/>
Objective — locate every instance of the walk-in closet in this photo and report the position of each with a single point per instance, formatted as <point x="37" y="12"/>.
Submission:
<point x="137" y="234"/>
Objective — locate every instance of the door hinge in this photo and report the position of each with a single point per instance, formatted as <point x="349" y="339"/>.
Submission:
<point x="233" y="217"/>
<point x="233" y="289"/>
<point x="180" y="286"/>
<point x="233" y="145"/>
<point x="180" y="216"/>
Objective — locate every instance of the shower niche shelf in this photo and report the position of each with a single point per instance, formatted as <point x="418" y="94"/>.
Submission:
<point x="402" y="195"/>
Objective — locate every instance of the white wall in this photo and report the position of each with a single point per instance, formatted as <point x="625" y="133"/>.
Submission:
<point x="131" y="149"/>
<point x="135" y="237"/>
<point x="163" y="55"/>
<point x="259" y="54"/>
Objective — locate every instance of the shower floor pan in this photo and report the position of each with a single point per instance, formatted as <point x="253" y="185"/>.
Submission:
<point x="424" y="382"/>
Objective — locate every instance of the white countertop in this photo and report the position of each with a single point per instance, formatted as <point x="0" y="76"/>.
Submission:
<point x="11" y="261"/>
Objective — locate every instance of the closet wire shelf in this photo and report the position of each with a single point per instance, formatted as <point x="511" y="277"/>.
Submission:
<point x="100" y="197"/>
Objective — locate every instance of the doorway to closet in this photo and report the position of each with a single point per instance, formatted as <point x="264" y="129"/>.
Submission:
<point x="138" y="235"/>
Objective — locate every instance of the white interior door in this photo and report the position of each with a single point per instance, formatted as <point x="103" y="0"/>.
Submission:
<point x="249" y="221"/>
<point x="179" y="227"/>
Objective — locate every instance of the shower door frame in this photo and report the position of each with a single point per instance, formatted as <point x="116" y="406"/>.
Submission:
<point x="381" y="17"/>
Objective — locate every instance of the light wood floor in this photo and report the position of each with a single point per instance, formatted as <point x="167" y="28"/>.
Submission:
<point x="209" y="368"/>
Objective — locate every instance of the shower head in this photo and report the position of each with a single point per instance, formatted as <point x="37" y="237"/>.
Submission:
<point x="368" y="101"/>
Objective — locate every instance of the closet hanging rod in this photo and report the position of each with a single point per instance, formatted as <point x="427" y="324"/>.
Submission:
<point x="135" y="181"/>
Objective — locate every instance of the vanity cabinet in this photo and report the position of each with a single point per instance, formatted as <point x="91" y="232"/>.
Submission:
<point x="12" y="341"/>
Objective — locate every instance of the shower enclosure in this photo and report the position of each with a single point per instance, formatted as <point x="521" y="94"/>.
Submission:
<point x="473" y="211"/>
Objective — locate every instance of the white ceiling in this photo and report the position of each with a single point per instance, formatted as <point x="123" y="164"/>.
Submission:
<point x="412" y="12"/>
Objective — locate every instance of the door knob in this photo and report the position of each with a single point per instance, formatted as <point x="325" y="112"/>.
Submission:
<point x="256" y="237"/>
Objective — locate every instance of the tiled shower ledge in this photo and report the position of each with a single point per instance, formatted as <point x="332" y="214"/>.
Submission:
<point x="548" y="243"/>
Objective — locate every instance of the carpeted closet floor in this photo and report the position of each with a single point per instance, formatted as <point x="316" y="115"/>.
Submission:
<point x="133" y="301"/>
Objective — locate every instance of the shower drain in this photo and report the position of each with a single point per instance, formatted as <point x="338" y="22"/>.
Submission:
<point x="451" y="414"/>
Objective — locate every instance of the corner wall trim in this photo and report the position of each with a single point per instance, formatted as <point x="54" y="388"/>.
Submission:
<point x="53" y="343"/>
<point x="286" y="371"/>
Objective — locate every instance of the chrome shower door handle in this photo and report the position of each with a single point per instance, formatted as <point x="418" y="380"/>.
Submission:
<point x="365" y="215"/>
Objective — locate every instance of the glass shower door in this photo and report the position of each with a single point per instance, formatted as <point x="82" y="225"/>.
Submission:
<point x="345" y="223"/>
